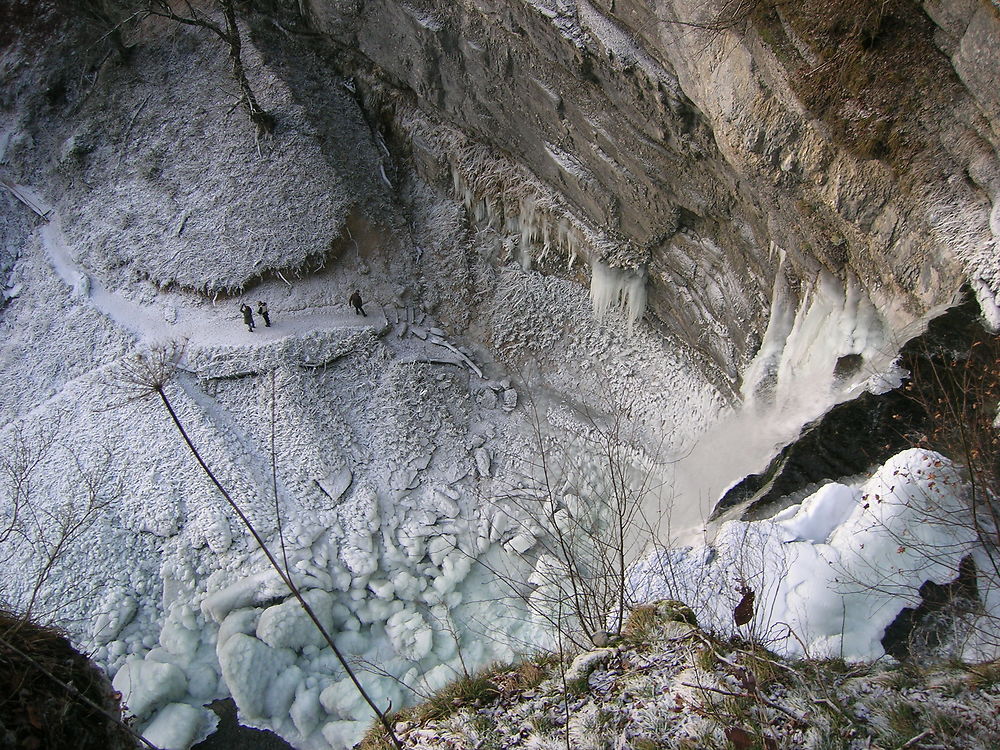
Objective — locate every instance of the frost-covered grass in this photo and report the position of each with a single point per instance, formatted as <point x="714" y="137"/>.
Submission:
<point x="680" y="687"/>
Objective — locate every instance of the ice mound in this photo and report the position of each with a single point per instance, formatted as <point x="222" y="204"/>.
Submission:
<point x="831" y="574"/>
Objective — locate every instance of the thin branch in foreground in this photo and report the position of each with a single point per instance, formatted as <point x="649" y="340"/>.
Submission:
<point x="149" y="375"/>
<point x="383" y="719"/>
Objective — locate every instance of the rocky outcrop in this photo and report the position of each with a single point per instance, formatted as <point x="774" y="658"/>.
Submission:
<point x="708" y="154"/>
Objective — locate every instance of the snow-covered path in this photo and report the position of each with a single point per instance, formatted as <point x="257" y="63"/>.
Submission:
<point x="178" y="317"/>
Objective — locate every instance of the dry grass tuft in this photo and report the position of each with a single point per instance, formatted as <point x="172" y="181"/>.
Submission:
<point x="52" y="696"/>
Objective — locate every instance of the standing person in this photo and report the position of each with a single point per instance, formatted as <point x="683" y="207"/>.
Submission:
<point x="247" y="316"/>
<point x="262" y="311"/>
<point x="356" y="303"/>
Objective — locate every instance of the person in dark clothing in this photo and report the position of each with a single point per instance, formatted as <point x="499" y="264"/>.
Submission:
<point x="247" y="316"/>
<point x="263" y="312"/>
<point x="356" y="303"/>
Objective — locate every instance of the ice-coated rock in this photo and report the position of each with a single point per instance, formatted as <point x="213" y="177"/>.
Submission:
<point x="249" y="666"/>
<point x="352" y="641"/>
<point x="377" y="610"/>
<point x="240" y="594"/>
<point x="482" y="462"/>
<point x="341" y="699"/>
<point x="407" y="586"/>
<point x="382" y="589"/>
<point x="357" y="553"/>
<point x="336" y="484"/>
<point x="487" y="398"/>
<point x="344" y="733"/>
<point x="306" y="711"/>
<point x="439" y="546"/>
<point x="179" y="640"/>
<point x="203" y="681"/>
<point x="454" y="568"/>
<point x="509" y="399"/>
<point x="281" y="692"/>
<point x="118" y="610"/>
<point x="437" y="677"/>
<point x="447" y="505"/>
<point x="587" y="662"/>
<point x="146" y="685"/>
<point x="177" y="726"/>
<point x="287" y="625"/>
<point x="521" y="543"/>
<point x="218" y="534"/>
<point x="410" y="635"/>
<point x="238" y="621"/>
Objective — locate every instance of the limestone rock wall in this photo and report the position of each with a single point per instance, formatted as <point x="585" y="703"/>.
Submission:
<point x="859" y="140"/>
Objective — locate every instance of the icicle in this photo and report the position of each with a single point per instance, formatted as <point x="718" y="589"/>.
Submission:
<point x="611" y="287"/>
<point x="797" y="368"/>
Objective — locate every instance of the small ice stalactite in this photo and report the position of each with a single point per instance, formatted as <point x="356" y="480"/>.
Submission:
<point x="611" y="287"/>
<point x="528" y="221"/>
<point x="533" y="222"/>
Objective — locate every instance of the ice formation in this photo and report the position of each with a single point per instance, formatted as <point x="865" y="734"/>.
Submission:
<point x="610" y="287"/>
<point x="814" y="354"/>
<point x="832" y="573"/>
<point x="798" y="357"/>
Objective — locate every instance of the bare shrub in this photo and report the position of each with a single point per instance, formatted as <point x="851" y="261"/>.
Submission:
<point x="579" y="494"/>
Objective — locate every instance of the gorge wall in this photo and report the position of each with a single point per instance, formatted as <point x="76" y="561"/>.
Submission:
<point x="718" y="155"/>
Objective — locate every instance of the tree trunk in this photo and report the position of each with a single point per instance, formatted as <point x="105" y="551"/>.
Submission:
<point x="258" y="116"/>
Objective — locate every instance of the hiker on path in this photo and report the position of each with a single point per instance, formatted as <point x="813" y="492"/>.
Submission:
<point x="356" y="303"/>
<point x="247" y="316"/>
<point x="263" y="312"/>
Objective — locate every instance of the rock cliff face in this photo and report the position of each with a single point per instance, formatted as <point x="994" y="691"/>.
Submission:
<point x="720" y="156"/>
